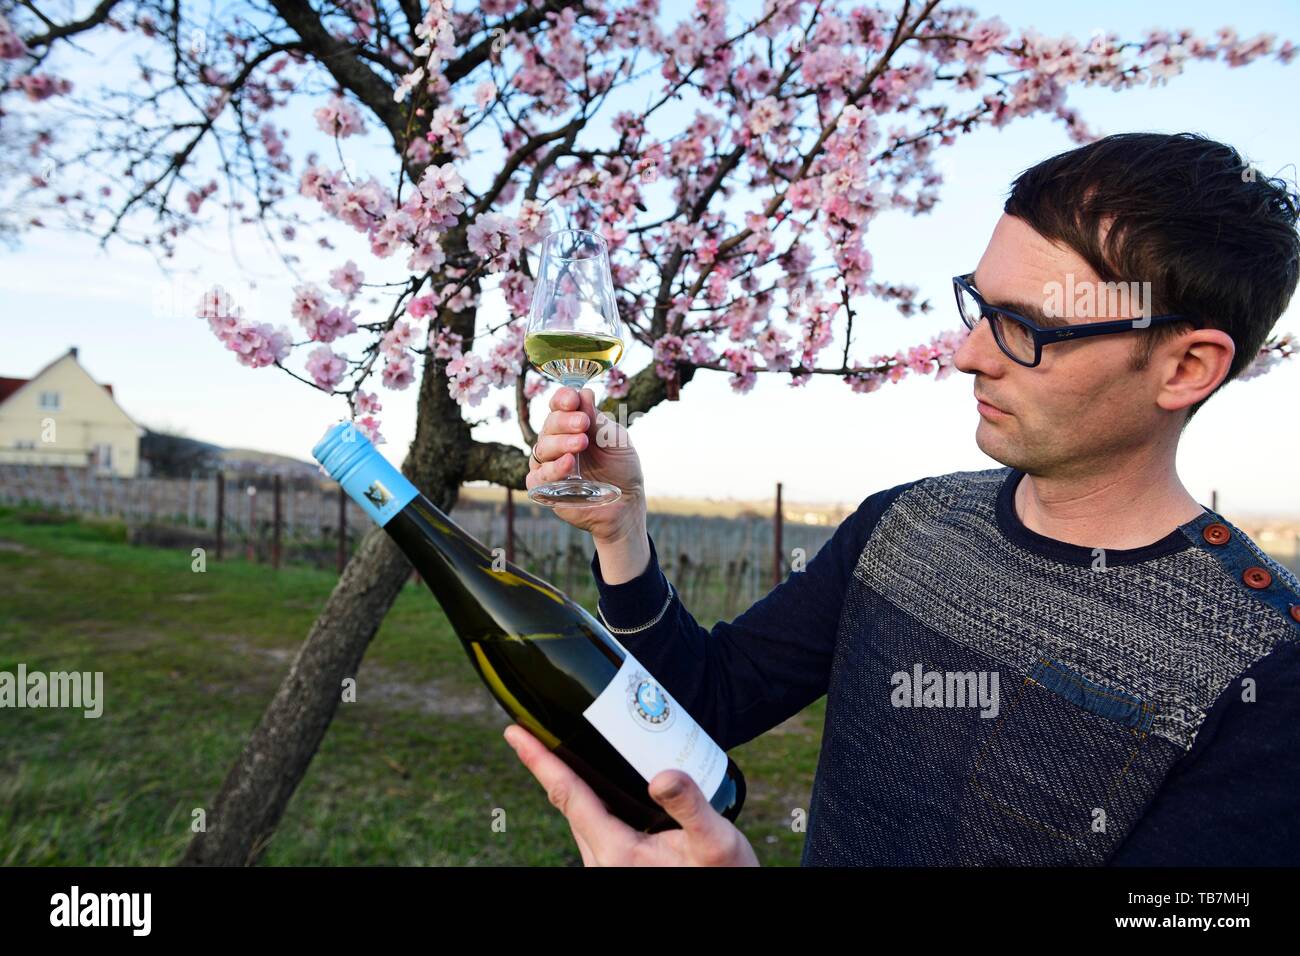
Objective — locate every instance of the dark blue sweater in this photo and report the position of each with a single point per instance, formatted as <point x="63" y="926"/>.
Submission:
<point x="1148" y="699"/>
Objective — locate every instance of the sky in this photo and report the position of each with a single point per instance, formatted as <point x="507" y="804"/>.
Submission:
<point x="132" y="325"/>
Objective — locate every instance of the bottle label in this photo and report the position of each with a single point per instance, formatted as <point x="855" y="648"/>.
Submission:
<point x="652" y="731"/>
<point x="379" y="488"/>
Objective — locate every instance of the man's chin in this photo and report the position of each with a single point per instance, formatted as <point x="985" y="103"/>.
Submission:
<point x="993" y="440"/>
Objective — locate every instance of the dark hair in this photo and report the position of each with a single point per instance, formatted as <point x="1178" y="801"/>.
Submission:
<point x="1216" y="240"/>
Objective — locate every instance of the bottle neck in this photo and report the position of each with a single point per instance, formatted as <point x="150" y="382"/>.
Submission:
<point x="379" y="488"/>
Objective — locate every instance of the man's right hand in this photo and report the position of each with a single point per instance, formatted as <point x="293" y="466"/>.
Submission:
<point x="572" y="427"/>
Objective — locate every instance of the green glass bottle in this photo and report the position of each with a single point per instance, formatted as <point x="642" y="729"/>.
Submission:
<point x="555" y="668"/>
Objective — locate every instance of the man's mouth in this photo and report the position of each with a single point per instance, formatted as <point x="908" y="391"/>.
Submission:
<point x="987" y="408"/>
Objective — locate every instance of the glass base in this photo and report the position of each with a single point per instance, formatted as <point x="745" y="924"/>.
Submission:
<point x="575" y="493"/>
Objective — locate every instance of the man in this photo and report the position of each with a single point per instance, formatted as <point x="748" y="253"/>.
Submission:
<point x="1066" y="660"/>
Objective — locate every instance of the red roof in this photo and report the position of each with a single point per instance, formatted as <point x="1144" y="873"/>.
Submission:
<point x="10" y="385"/>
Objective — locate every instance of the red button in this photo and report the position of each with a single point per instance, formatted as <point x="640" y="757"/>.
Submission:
<point x="1216" y="533"/>
<point x="1257" y="578"/>
<point x="1295" y="612"/>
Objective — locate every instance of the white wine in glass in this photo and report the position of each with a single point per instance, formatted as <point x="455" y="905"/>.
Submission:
<point x="574" y="335"/>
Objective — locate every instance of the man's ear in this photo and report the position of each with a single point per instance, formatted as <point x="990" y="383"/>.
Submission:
<point x="1194" y="366"/>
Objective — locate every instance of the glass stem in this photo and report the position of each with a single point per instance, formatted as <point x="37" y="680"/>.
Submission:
<point x="577" y="384"/>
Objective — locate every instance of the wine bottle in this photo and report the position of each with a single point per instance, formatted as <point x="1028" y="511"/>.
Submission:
<point x="555" y="668"/>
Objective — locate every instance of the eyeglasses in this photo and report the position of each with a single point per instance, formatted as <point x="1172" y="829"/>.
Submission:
<point x="1022" y="340"/>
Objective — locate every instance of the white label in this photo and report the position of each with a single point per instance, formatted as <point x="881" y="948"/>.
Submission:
<point x="652" y="731"/>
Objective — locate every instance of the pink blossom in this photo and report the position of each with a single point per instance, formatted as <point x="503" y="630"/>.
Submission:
<point x="369" y="426"/>
<point x="419" y="152"/>
<point x="985" y="37"/>
<point x="396" y="340"/>
<point x="335" y="323"/>
<point x="367" y="403"/>
<point x="771" y="345"/>
<point x="195" y="199"/>
<point x="316" y="183"/>
<point x="398" y="372"/>
<point x="485" y="93"/>
<point x="517" y="289"/>
<point x="447" y="130"/>
<point x="420" y="306"/>
<point x="224" y="317"/>
<point x="467" y="383"/>
<point x="616" y="383"/>
<point x="803" y="195"/>
<point x="535" y="385"/>
<point x="339" y="118"/>
<point x="863" y="382"/>
<point x="533" y="222"/>
<point x="408" y="83"/>
<point x="271" y="140"/>
<point x="258" y="345"/>
<point x="1165" y="62"/>
<point x="12" y="46"/>
<point x="494" y="238"/>
<point x="667" y="350"/>
<point x="426" y="256"/>
<point x="437" y="33"/>
<point x="347" y="278"/>
<point x="40" y="86"/>
<point x="440" y="192"/>
<point x="741" y="363"/>
<point x="326" y="368"/>
<point x="699" y="350"/>
<point x="765" y="116"/>
<point x="445" y="344"/>
<point x="308" y="305"/>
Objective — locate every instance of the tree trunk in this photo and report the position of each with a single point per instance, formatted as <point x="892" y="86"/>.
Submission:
<point x="260" y="784"/>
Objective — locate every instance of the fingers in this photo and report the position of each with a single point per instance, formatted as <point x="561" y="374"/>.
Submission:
<point x="556" y="470"/>
<point x="565" y="433"/>
<point x="565" y="399"/>
<point x="549" y="447"/>
<point x="570" y="794"/>
<point x="566" y="423"/>
<point x="677" y="793"/>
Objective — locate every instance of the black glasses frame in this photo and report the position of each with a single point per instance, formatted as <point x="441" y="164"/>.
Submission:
<point x="1046" y="336"/>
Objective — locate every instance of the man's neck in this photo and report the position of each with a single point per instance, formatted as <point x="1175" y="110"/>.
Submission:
<point x="1120" y="509"/>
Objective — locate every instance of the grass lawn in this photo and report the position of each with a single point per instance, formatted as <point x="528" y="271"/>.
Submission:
<point x="410" y="774"/>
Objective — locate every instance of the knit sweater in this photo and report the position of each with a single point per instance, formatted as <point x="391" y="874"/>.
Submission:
<point x="995" y="696"/>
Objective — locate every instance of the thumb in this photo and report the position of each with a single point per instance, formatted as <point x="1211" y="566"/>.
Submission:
<point x="677" y="793"/>
<point x="587" y="402"/>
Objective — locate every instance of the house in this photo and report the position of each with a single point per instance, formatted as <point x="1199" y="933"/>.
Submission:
<point x="61" y="416"/>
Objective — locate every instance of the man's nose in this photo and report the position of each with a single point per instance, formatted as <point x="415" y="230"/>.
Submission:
<point x="979" y="351"/>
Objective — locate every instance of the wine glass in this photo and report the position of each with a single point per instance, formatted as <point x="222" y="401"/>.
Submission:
<point x="574" y="335"/>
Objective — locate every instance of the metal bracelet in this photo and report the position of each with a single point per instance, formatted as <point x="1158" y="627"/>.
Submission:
<point x="632" y="630"/>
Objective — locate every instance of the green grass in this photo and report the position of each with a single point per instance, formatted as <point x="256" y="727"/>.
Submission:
<point x="410" y="774"/>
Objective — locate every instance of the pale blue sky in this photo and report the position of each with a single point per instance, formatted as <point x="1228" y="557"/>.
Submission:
<point x="823" y="441"/>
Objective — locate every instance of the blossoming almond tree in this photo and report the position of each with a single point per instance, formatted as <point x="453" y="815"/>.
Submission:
<point x="733" y="158"/>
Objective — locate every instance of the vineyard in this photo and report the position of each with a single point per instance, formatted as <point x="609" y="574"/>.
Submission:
<point x="720" y="565"/>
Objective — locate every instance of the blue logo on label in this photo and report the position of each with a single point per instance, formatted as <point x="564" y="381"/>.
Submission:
<point x="649" y="704"/>
<point x="377" y="494"/>
<point x="371" y="481"/>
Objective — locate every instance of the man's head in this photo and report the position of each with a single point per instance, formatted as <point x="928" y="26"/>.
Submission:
<point x="1137" y="224"/>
